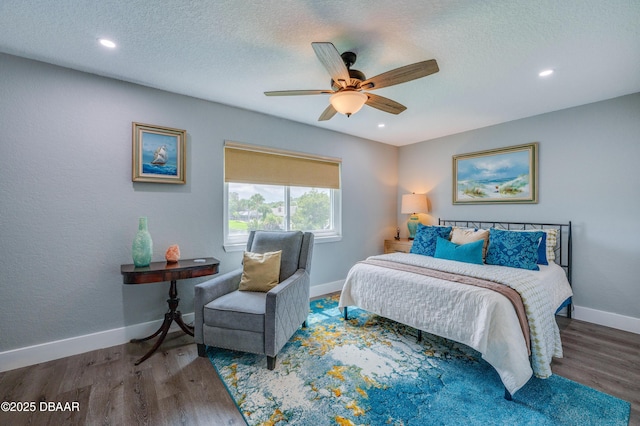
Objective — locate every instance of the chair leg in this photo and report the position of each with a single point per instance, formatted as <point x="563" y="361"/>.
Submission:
<point x="202" y="350"/>
<point x="271" y="362"/>
<point x="507" y="395"/>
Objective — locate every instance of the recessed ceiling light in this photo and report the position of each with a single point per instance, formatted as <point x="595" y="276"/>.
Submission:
<point x="545" y="73"/>
<point x="107" y="43"/>
<point x="381" y="125"/>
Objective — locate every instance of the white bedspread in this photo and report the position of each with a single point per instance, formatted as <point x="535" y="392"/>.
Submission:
<point x="477" y="317"/>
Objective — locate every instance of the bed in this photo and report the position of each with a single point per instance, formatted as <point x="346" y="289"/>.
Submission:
<point x="503" y="305"/>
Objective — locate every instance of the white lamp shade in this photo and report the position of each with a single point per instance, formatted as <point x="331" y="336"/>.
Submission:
<point x="414" y="203"/>
<point x="348" y="102"/>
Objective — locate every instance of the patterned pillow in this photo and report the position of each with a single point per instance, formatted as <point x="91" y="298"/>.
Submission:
<point x="546" y="250"/>
<point x="426" y="238"/>
<point x="469" y="253"/>
<point x="514" y="249"/>
<point x="552" y="240"/>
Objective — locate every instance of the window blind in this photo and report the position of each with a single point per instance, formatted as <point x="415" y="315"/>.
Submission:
<point x="266" y="166"/>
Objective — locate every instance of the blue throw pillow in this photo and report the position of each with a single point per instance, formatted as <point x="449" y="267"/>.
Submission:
<point x="426" y="237"/>
<point x="514" y="249"/>
<point x="542" y="250"/>
<point x="469" y="253"/>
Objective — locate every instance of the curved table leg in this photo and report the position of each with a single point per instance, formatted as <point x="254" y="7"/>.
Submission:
<point x="164" y="330"/>
<point x="185" y="327"/>
<point x="169" y="317"/>
<point x="151" y="336"/>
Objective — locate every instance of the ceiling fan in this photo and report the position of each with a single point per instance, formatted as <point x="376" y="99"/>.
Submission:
<point x="350" y="88"/>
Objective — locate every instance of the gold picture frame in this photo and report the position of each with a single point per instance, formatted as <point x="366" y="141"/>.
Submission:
<point x="504" y="175"/>
<point x="158" y="154"/>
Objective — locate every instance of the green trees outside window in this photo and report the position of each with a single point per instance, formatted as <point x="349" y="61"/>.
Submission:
<point x="268" y="207"/>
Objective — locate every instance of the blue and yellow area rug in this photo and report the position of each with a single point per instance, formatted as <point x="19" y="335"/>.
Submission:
<point x="372" y="371"/>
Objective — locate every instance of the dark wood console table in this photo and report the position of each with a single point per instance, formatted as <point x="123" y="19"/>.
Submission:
<point x="164" y="271"/>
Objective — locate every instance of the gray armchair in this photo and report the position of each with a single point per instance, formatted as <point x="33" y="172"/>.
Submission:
<point x="257" y="322"/>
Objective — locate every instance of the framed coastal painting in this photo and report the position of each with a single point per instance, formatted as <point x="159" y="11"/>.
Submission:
<point x="158" y="154"/>
<point x="505" y="175"/>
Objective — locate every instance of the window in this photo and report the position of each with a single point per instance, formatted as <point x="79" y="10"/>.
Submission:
<point x="279" y="191"/>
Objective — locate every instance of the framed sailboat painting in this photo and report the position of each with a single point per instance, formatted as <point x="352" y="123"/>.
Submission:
<point x="158" y="154"/>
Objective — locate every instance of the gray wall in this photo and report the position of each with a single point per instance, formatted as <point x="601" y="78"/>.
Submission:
<point x="69" y="210"/>
<point x="588" y="174"/>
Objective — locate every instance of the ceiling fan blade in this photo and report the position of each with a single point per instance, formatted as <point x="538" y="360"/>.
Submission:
<point x="328" y="113"/>
<point x="384" y="104"/>
<point x="298" y="92"/>
<point x="401" y="75"/>
<point x="332" y="61"/>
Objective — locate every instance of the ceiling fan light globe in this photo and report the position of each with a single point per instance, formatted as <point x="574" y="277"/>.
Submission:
<point x="348" y="102"/>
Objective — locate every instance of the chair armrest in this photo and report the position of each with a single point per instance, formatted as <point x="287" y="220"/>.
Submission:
<point x="284" y="285"/>
<point x="287" y="308"/>
<point x="210" y="290"/>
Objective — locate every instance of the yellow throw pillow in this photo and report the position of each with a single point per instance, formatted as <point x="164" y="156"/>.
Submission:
<point x="466" y="235"/>
<point x="261" y="271"/>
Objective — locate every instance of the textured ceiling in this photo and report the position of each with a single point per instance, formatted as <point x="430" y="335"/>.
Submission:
<point x="489" y="53"/>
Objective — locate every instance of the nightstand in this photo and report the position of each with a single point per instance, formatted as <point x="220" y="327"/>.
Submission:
<point x="403" y="245"/>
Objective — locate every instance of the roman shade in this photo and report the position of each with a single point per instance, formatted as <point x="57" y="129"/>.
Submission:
<point x="266" y="166"/>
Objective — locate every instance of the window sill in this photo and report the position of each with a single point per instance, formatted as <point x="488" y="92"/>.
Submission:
<point x="234" y="247"/>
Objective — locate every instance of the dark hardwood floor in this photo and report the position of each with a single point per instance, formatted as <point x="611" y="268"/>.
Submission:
<point x="173" y="387"/>
<point x="176" y="387"/>
<point x="602" y="358"/>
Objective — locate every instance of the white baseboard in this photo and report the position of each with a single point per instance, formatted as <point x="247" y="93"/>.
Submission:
<point x="322" y="289"/>
<point x="49" y="351"/>
<point x="30" y="355"/>
<point x="608" y="319"/>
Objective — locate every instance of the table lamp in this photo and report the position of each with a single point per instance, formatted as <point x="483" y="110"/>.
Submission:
<point x="413" y="204"/>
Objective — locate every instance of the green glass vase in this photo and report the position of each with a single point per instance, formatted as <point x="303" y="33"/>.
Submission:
<point x="142" y="248"/>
